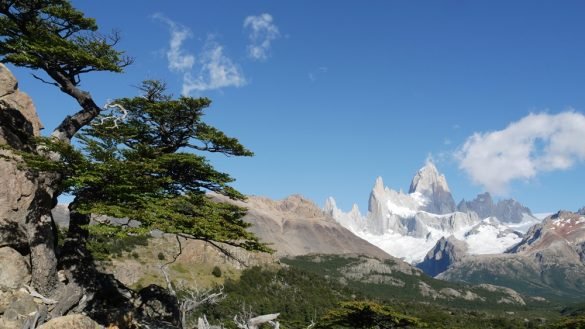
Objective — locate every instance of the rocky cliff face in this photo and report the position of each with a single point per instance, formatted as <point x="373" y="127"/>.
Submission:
<point x="18" y="124"/>
<point x="25" y="199"/>
<point x="446" y="252"/>
<point x="509" y="210"/>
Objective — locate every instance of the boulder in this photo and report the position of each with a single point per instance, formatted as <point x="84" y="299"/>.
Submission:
<point x="8" y="83"/>
<point x="14" y="271"/>
<point x="22" y="309"/>
<point x="75" y="321"/>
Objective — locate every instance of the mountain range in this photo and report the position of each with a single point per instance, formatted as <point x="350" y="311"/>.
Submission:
<point x="549" y="261"/>
<point x="408" y="225"/>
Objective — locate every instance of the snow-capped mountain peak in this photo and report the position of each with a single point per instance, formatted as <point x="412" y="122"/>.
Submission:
<point x="427" y="179"/>
<point x="433" y="185"/>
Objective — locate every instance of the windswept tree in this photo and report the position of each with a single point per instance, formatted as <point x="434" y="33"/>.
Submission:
<point x="59" y="44"/>
<point x="146" y="168"/>
<point x="141" y="158"/>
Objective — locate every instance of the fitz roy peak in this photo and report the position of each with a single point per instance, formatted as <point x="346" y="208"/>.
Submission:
<point x="408" y="225"/>
<point x="433" y="186"/>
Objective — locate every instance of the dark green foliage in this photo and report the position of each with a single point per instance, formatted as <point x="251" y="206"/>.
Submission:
<point x="573" y="317"/>
<point x="161" y="256"/>
<point x="53" y="36"/>
<point x="577" y="322"/>
<point x="216" y="271"/>
<point x="301" y="297"/>
<point x="298" y="296"/>
<point x="574" y="309"/>
<point x="366" y="315"/>
<point x="141" y="168"/>
<point x="437" y="313"/>
<point x="105" y="242"/>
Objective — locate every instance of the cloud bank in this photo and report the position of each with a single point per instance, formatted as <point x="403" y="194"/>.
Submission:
<point x="536" y="143"/>
<point x="212" y="69"/>
<point x="262" y="31"/>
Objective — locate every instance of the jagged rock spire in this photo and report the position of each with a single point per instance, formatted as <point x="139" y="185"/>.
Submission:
<point x="433" y="185"/>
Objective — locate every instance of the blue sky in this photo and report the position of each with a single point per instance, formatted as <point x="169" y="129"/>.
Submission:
<point x="331" y="94"/>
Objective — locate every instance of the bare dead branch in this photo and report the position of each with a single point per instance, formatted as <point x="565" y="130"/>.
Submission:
<point x="34" y="293"/>
<point x="244" y="320"/>
<point x="113" y="117"/>
<point x="163" y="267"/>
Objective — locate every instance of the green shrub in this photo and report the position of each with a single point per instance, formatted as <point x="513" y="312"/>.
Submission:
<point x="216" y="271"/>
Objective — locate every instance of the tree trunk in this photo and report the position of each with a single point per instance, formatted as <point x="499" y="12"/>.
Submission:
<point x="41" y="235"/>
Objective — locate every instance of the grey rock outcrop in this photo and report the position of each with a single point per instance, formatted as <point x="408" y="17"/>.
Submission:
<point x="513" y="296"/>
<point x="25" y="198"/>
<point x="433" y="185"/>
<point x="18" y="117"/>
<point x="18" y="124"/>
<point x="508" y="210"/>
<point x="581" y="211"/>
<point x="446" y="252"/>
<point x="61" y="215"/>
<point x="19" y="309"/>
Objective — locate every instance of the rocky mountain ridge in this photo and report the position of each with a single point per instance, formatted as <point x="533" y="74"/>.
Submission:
<point x="508" y="210"/>
<point x="550" y="258"/>
<point x="297" y="226"/>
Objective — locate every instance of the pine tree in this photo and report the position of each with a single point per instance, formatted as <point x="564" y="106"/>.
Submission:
<point x="145" y="168"/>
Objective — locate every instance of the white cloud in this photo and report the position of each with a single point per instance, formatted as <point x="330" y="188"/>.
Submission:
<point x="262" y="32"/>
<point x="179" y="60"/>
<point x="214" y="70"/>
<point x="534" y="144"/>
<point x="217" y="71"/>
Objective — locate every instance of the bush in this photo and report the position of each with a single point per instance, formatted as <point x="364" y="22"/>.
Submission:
<point x="216" y="272"/>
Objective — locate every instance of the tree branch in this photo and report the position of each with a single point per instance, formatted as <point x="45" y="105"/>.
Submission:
<point x="218" y="247"/>
<point x="44" y="81"/>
